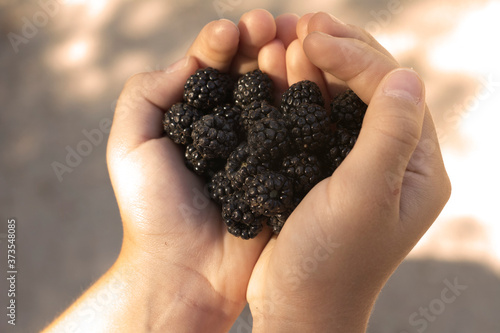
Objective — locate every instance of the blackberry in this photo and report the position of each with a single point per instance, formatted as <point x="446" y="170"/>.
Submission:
<point x="305" y="171"/>
<point x="214" y="136"/>
<point x="241" y="165"/>
<point x="256" y="111"/>
<point x="195" y="160"/>
<point x="309" y="127"/>
<point x="260" y="161"/>
<point x="253" y="86"/>
<point x="277" y="222"/>
<point x="340" y="146"/>
<point x="269" y="193"/>
<point x="220" y="187"/>
<point x="230" y="112"/>
<point x="268" y="139"/>
<point x="207" y="88"/>
<point x="240" y="220"/>
<point x="300" y="93"/>
<point x="178" y="121"/>
<point x="348" y="110"/>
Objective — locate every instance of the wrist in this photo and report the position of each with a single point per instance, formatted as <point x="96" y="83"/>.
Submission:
<point x="330" y="314"/>
<point x="164" y="297"/>
<point x="335" y="321"/>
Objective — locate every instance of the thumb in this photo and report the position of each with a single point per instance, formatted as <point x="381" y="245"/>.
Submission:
<point x="391" y="131"/>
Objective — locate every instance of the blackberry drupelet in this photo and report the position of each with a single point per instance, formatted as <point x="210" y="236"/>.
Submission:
<point x="214" y="136"/>
<point x="178" y="121"/>
<point x="268" y="139"/>
<point x="269" y="193"/>
<point x="340" y="146"/>
<point x="207" y="88"/>
<point x="308" y="126"/>
<point x="256" y="111"/>
<point x="241" y="164"/>
<point x="230" y="112"/>
<point x="219" y="187"/>
<point x="253" y="86"/>
<point x="300" y="93"/>
<point x="195" y="160"/>
<point x="348" y="110"/>
<point x="304" y="170"/>
<point x="277" y="222"/>
<point x="240" y="220"/>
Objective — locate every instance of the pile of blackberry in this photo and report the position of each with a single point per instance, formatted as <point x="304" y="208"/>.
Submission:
<point x="260" y="160"/>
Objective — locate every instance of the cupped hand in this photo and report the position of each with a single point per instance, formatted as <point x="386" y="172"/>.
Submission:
<point x="173" y="234"/>
<point x="338" y="248"/>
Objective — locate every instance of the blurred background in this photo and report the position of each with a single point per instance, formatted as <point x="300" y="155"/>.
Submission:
<point x="64" y="63"/>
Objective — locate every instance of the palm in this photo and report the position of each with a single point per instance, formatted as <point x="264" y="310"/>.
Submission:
<point x="172" y="218"/>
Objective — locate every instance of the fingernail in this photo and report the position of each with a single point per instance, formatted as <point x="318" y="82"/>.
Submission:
<point x="321" y="33"/>
<point x="178" y="65"/>
<point x="404" y="83"/>
<point x="336" y="20"/>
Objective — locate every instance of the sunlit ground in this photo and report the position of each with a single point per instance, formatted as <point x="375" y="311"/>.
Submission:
<point x="68" y="76"/>
<point x="469" y="227"/>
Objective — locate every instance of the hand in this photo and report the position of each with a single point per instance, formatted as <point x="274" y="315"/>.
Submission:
<point x="170" y="226"/>
<point x="338" y="248"/>
<point x="179" y="269"/>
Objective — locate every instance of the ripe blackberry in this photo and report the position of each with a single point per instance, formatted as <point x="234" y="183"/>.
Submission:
<point x="253" y="86"/>
<point x="230" y="112"/>
<point x="300" y="93"/>
<point x="178" y="121"/>
<point x="207" y="88"/>
<point x="256" y="111"/>
<point x="240" y="220"/>
<point x="195" y="160"/>
<point x="269" y="193"/>
<point x="214" y="136"/>
<point x="241" y="165"/>
<point x="259" y="161"/>
<point x="268" y="139"/>
<point x="305" y="171"/>
<point x="277" y="222"/>
<point x="220" y="187"/>
<point x="340" y="146"/>
<point x="309" y="127"/>
<point x="348" y="110"/>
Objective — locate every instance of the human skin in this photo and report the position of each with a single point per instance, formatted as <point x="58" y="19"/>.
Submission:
<point x="338" y="248"/>
<point x="179" y="270"/>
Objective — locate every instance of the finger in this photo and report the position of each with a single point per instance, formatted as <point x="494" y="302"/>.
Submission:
<point x="328" y="24"/>
<point x="257" y="28"/>
<point x="353" y="61"/>
<point x="302" y="30"/>
<point x="286" y="28"/>
<point x="216" y="45"/>
<point x="300" y="68"/>
<point x="391" y="131"/>
<point x="140" y="108"/>
<point x="331" y="25"/>
<point x="272" y="61"/>
<point x="428" y="181"/>
<point x="334" y="86"/>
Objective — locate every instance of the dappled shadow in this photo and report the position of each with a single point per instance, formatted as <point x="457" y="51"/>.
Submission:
<point x="66" y="79"/>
